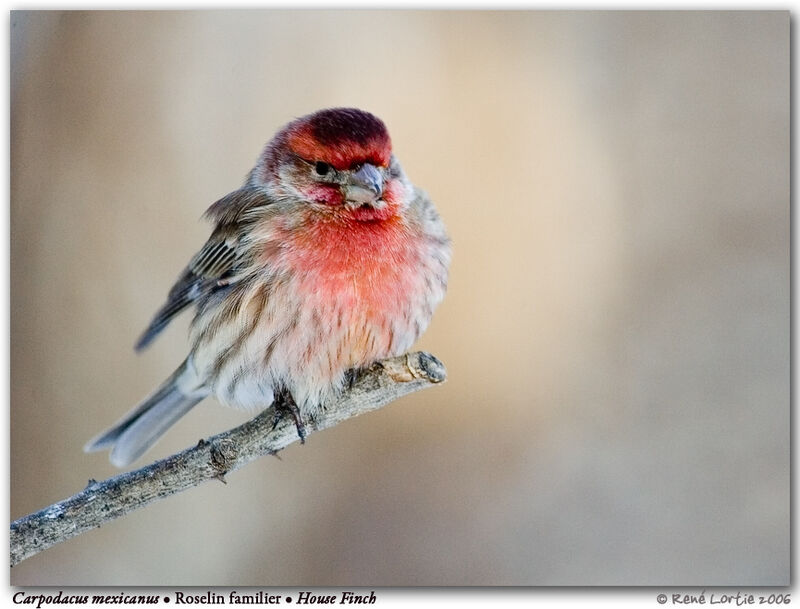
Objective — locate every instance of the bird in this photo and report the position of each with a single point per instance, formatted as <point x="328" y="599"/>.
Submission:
<point x="326" y="260"/>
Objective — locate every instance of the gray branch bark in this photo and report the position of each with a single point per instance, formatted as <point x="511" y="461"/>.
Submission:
<point x="101" y="502"/>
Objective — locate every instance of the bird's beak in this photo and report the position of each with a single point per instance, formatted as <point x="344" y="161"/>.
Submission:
<point x="364" y="187"/>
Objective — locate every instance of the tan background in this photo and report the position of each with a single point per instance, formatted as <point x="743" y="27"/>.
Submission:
<point x="616" y="330"/>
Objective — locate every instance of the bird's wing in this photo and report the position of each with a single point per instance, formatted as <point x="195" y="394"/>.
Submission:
<point x="214" y="266"/>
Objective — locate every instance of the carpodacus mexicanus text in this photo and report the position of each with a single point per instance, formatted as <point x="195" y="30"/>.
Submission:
<point x="325" y="261"/>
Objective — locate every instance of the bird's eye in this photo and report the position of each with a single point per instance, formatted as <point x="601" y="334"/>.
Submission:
<point x="321" y="168"/>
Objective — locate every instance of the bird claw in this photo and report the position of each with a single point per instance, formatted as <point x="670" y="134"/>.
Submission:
<point x="351" y="376"/>
<point x="285" y="404"/>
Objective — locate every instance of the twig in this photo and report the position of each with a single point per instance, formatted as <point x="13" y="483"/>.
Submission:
<point x="101" y="502"/>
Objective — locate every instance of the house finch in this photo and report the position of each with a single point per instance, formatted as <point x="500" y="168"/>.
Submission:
<point x="325" y="261"/>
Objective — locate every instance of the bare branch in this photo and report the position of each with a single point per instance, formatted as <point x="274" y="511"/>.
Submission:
<point x="101" y="502"/>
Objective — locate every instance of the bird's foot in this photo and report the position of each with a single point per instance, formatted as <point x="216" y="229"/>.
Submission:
<point x="353" y="374"/>
<point x="285" y="404"/>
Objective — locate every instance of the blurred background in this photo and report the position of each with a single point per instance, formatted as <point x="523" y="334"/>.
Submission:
<point x="616" y="330"/>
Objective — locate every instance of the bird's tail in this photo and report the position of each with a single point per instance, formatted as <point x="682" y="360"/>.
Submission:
<point x="141" y="427"/>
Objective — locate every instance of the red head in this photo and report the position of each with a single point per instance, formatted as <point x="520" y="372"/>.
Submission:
<point x="341" y="137"/>
<point x="337" y="158"/>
